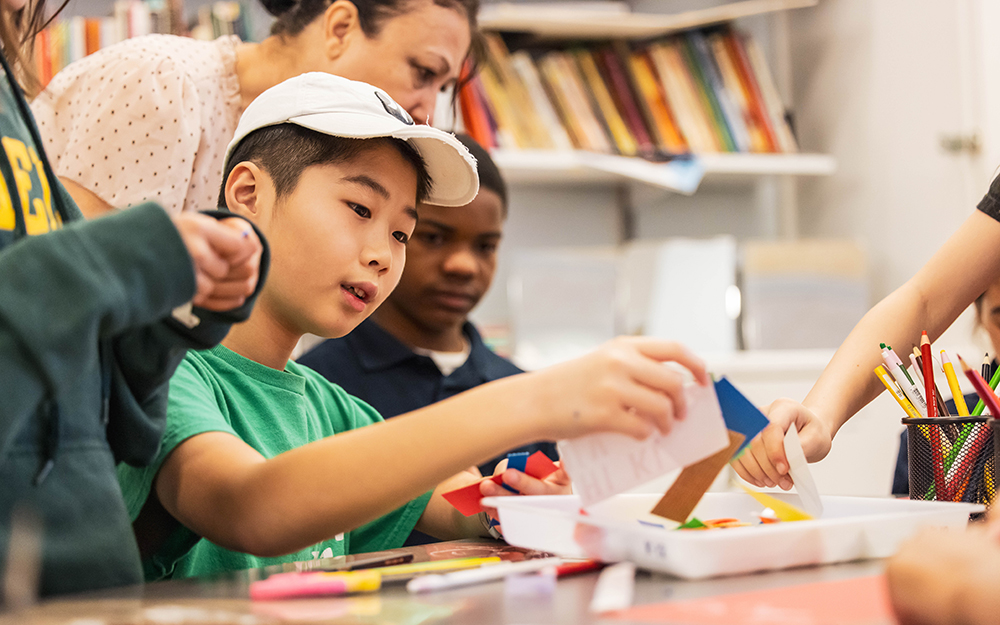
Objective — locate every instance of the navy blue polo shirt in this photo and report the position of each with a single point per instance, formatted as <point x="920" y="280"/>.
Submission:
<point x="374" y="365"/>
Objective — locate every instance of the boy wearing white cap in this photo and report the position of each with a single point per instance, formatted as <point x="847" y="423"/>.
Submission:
<point x="265" y="457"/>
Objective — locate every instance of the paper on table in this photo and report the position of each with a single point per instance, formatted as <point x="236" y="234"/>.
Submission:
<point x="805" y="485"/>
<point x="603" y="465"/>
<point x="856" y="601"/>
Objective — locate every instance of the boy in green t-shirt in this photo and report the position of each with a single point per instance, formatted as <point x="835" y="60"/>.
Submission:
<point x="265" y="457"/>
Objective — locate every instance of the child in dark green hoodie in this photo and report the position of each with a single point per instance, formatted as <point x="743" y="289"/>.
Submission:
<point x="94" y="318"/>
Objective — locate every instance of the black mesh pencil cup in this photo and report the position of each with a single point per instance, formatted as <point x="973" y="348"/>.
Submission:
<point x="952" y="459"/>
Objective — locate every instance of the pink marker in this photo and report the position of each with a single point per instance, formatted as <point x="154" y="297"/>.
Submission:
<point x="290" y="585"/>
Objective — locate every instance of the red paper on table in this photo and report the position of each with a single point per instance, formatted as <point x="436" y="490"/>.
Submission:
<point x="857" y="601"/>
<point x="466" y="499"/>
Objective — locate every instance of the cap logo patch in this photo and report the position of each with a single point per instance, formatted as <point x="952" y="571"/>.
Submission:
<point x="394" y="109"/>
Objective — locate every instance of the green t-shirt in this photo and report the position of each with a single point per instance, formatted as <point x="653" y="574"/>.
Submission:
<point x="273" y="411"/>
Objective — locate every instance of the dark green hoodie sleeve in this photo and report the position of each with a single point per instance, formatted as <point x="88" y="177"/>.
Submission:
<point x="62" y="293"/>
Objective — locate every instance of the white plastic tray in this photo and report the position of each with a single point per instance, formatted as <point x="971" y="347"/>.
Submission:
<point x="852" y="528"/>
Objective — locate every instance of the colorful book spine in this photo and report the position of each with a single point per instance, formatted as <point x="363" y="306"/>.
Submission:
<point x="615" y="75"/>
<point x="548" y="118"/>
<point x="706" y="95"/>
<point x="757" y="141"/>
<point x="682" y="94"/>
<point x="650" y="96"/>
<point x="605" y="105"/>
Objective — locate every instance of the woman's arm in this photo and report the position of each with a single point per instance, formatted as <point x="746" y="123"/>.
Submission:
<point x="90" y="204"/>
<point x="124" y="125"/>
<point x="224" y="490"/>
<point x="955" y="276"/>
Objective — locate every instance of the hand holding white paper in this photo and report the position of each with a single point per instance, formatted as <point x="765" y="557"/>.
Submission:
<point x="603" y="465"/>
<point x="798" y="468"/>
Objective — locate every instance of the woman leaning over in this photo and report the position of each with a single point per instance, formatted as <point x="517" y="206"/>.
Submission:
<point x="150" y="118"/>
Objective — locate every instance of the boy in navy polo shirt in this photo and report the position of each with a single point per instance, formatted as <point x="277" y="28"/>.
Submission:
<point x="419" y="346"/>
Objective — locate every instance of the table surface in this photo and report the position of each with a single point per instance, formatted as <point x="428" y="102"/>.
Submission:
<point x="225" y="601"/>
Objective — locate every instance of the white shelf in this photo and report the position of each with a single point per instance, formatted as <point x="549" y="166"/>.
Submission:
<point x="553" y="167"/>
<point x="549" y="21"/>
<point x="769" y="164"/>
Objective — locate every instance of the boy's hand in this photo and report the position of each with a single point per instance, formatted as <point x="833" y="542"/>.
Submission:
<point x="764" y="463"/>
<point x="621" y="387"/>
<point x="557" y="483"/>
<point x="226" y="258"/>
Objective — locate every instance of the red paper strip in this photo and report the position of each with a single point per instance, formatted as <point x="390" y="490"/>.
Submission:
<point x="466" y="499"/>
<point x="539" y="466"/>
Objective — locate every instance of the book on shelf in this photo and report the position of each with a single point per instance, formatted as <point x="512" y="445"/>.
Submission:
<point x="701" y="91"/>
<point x="71" y="38"/>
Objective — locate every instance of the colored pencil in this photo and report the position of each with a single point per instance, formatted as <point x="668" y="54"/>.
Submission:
<point x="574" y="568"/>
<point x="925" y="350"/>
<point x="956" y="390"/>
<point x="937" y="456"/>
<point x="984" y="391"/>
<point x="981" y="405"/>
<point x="917" y="358"/>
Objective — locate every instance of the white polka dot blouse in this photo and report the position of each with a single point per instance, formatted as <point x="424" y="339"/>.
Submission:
<point x="146" y="119"/>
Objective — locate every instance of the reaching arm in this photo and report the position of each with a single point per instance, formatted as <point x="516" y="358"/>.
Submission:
<point x="224" y="490"/>
<point x="956" y="275"/>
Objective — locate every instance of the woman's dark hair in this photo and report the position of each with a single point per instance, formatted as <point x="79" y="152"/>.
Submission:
<point x="18" y="30"/>
<point x="284" y="151"/>
<point x="291" y="16"/>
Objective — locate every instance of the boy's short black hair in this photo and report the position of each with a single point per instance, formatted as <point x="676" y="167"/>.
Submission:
<point x="284" y="151"/>
<point x="489" y="173"/>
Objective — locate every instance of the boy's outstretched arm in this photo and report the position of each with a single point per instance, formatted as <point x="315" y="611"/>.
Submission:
<point x="224" y="490"/>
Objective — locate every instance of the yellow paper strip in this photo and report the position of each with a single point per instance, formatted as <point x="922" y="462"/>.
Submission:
<point x="784" y="511"/>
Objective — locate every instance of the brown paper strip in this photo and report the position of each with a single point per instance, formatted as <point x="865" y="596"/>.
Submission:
<point x="685" y="493"/>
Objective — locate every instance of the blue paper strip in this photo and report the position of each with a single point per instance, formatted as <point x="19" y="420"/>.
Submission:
<point x="517" y="460"/>
<point x="739" y="414"/>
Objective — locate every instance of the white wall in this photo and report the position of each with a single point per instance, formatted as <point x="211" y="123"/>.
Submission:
<point x="876" y="85"/>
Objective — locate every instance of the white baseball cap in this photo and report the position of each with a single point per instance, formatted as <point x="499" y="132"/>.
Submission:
<point x="346" y="108"/>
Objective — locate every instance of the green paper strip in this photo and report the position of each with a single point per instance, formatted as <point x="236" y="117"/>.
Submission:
<point x="693" y="524"/>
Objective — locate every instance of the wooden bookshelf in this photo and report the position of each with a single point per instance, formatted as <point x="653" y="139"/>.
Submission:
<point x="558" y="167"/>
<point x="553" y="23"/>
